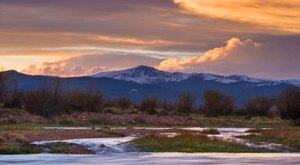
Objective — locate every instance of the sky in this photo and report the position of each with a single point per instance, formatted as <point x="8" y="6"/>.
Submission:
<point x="84" y="37"/>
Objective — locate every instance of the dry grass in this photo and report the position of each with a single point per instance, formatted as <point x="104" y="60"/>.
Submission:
<point x="13" y="138"/>
<point x="240" y="121"/>
<point x="288" y="137"/>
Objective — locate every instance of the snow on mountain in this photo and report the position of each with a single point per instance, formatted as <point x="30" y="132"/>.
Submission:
<point x="144" y="75"/>
<point x="236" y="79"/>
<point x="148" y="75"/>
<point x="292" y="82"/>
<point x="217" y="78"/>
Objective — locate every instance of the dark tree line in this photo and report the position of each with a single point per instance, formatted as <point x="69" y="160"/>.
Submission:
<point x="55" y="99"/>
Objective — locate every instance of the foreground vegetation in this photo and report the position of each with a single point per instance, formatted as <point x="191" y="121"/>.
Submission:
<point x="20" y="149"/>
<point x="241" y="121"/>
<point x="66" y="148"/>
<point x="53" y="148"/>
<point x="189" y="142"/>
<point x="288" y="137"/>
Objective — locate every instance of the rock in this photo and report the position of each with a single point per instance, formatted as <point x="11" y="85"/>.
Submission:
<point x="102" y="146"/>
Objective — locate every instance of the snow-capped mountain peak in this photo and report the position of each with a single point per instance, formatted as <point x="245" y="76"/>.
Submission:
<point x="144" y="75"/>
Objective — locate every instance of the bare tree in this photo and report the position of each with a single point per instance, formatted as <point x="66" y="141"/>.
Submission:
<point x="216" y="103"/>
<point x="48" y="101"/>
<point x="289" y="103"/>
<point x="121" y="102"/>
<point x="185" y="103"/>
<point x="259" y="106"/>
<point x="149" y="104"/>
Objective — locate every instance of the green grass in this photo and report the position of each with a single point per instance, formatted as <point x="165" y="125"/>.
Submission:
<point x="289" y="137"/>
<point x="189" y="143"/>
<point x="16" y="149"/>
<point x="66" y="148"/>
<point x="239" y="121"/>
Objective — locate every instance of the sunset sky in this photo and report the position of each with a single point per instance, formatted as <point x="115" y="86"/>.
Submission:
<point x="83" y="37"/>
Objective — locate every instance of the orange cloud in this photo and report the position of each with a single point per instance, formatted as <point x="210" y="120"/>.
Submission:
<point x="136" y="41"/>
<point x="209" y="56"/>
<point x="246" y="57"/>
<point x="61" y="69"/>
<point x="280" y="15"/>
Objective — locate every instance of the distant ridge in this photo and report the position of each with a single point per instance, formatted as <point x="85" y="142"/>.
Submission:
<point x="144" y="75"/>
<point x="149" y="75"/>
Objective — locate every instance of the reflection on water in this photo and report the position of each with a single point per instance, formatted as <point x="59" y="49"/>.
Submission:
<point x="152" y="158"/>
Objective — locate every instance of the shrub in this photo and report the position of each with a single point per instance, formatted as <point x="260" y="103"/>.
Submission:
<point x="289" y="103"/>
<point x="168" y="105"/>
<point x="76" y="100"/>
<point x="259" y="106"/>
<point x="185" y="103"/>
<point x="216" y="103"/>
<point x="43" y="103"/>
<point x="38" y="102"/>
<point x="94" y="101"/>
<point x="149" y="105"/>
<point x="240" y="112"/>
<point x="13" y="100"/>
<point x="121" y="102"/>
<point x="88" y="101"/>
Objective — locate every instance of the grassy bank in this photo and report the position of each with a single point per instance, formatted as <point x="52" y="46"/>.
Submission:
<point x="19" y="149"/>
<point x="240" y="121"/>
<point x="67" y="148"/>
<point x="288" y="137"/>
<point x="189" y="142"/>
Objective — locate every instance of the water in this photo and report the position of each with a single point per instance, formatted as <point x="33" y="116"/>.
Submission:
<point x="99" y="145"/>
<point x="228" y="134"/>
<point x="115" y="153"/>
<point x="152" y="158"/>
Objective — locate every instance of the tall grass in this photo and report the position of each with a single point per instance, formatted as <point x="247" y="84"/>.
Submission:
<point x="188" y="142"/>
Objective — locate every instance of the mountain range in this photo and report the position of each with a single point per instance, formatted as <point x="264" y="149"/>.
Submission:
<point x="141" y="81"/>
<point x="149" y="75"/>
